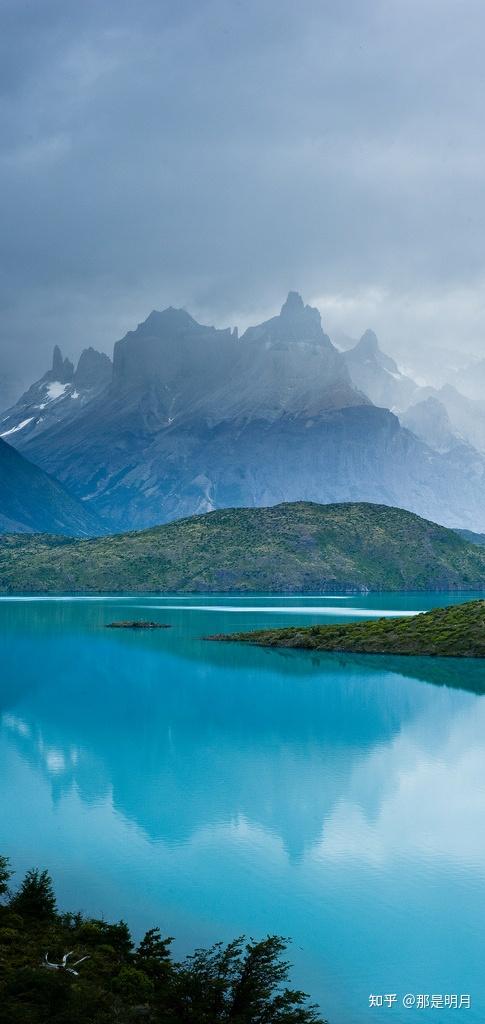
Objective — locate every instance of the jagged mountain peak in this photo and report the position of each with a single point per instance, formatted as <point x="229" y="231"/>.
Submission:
<point x="368" y="349"/>
<point x="195" y="419"/>
<point x="93" y="368"/>
<point x="368" y="342"/>
<point x="170" y="353"/>
<point x="295" y="312"/>
<point x="293" y="305"/>
<point x="62" y="369"/>
<point x="57" y="396"/>
<point x="169" y="318"/>
<point x="295" y="323"/>
<point x="378" y="375"/>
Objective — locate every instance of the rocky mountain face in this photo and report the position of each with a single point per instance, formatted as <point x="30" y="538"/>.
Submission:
<point x="57" y="397"/>
<point x="379" y="376"/>
<point x="466" y="416"/>
<point x="32" y="502"/>
<point x="284" y="367"/>
<point x="429" y="420"/>
<point x="193" y="418"/>
<point x="443" y="417"/>
<point x="179" y="369"/>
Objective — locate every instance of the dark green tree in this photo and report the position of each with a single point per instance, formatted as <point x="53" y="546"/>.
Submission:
<point x="35" y="898"/>
<point x="64" y="969"/>
<point x="5" y="875"/>
<point x="113" y="936"/>
<point x="153" y="954"/>
<point x="240" y="984"/>
<point x="260" y="994"/>
<point x="133" y="985"/>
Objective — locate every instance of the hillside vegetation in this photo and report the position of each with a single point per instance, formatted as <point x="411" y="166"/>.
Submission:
<point x="473" y="538"/>
<point x="299" y="547"/>
<point x="456" y="631"/>
<point x="64" y="968"/>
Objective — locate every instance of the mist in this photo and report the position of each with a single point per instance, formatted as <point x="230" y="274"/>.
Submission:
<point x="214" y="155"/>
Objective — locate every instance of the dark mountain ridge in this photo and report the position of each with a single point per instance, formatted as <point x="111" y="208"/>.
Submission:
<point x="33" y="502"/>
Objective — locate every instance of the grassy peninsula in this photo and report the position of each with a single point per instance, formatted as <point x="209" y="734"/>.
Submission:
<point x="299" y="547"/>
<point x="457" y="631"/>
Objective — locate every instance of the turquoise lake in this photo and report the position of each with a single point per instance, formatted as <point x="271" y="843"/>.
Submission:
<point x="219" y="789"/>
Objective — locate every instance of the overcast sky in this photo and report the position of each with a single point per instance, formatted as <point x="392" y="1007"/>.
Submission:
<point x="215" y="154"/>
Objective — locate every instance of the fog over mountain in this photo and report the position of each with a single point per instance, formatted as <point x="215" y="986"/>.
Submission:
<point x="207" y="159"/>
<point x="189" y="418"/>
<point x="213" y="156"/>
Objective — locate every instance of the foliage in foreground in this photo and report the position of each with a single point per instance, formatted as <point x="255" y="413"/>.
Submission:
<point x="457" y="631"/>
<point x="105" y="978"/>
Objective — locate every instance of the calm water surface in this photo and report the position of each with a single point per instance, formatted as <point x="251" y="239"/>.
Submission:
<point x="217" y="789"/>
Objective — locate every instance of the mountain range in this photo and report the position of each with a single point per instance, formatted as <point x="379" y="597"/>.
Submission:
<point x="441" y="416"/>
<point x="189" y="418"/>
<point x="58" y="396"/>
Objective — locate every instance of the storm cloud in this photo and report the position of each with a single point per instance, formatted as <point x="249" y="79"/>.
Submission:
<point x="214" y="155"/>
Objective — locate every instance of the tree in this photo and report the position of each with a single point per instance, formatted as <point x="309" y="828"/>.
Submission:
<point x="112" y="936"/>
<point x="240" y="984"/>
<point x="259" y="993"/>
<point x="153" y="953"/>
<point x="133" y="986"/>
<point x="65" y="969"/>
<point x="5" y="875"/>
<point x="35" y="898"/>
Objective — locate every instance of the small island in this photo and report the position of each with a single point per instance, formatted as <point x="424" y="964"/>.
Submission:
<point x="137" y="624"/>
<point x="456" y="631"/>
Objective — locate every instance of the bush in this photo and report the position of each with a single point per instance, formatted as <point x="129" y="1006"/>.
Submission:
<point x="105" y="979"/>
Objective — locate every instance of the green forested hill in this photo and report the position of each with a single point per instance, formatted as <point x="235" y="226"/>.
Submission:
<point x="299" y="547"/>
<point x="474" y="538"/>
<point x="456" y="631"/>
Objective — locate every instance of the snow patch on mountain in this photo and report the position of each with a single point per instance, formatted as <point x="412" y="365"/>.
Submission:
<point x="20" y="426"/>
<point x="56" y="389"/>
<point x="52" y="394"/>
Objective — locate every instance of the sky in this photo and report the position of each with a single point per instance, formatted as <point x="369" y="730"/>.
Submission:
<point x="214" y="154"/>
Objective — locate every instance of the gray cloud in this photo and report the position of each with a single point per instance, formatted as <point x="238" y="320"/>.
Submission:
<point x="215" y="154"/>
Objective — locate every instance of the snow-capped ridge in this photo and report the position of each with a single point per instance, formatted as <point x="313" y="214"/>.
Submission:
<point x="48" y="401"/>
